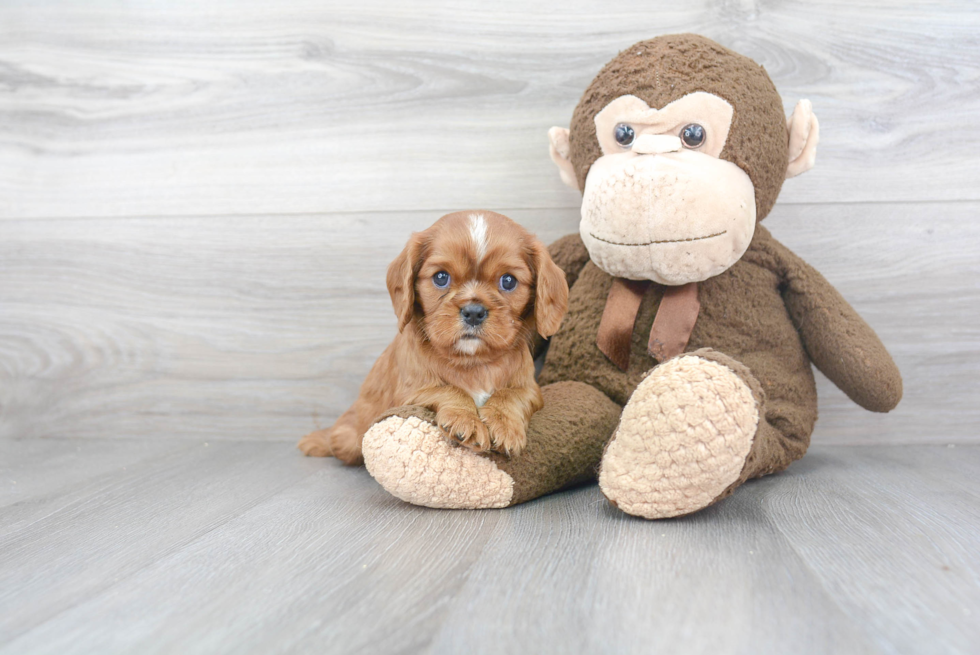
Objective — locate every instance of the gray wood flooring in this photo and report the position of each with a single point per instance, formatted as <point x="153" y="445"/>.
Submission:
<point x="197" y="205"/>
<point x="185" y="546"/>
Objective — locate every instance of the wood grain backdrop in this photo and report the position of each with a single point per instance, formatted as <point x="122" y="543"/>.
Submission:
<point x="197" y="203"/>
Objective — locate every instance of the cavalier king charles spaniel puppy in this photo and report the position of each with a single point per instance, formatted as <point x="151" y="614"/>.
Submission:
<point x="469" y="293"/>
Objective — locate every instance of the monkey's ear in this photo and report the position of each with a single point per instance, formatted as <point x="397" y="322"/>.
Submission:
<point x="550" y="294"/>
<point x="804" y="134"/>
<point x="401" y="279"/>
<point x="560" y="154"/>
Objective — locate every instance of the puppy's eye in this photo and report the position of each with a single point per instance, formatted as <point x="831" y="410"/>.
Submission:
<point x="624" y="135"/>
<point x="692" y="135"/>
<point x="508" y="282"/>
<point x="441" y="279"/>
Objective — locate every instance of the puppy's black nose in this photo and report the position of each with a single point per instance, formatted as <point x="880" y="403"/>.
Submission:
<point x="473" y="314"/>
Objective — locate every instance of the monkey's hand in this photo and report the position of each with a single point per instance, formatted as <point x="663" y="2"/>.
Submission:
<point x="837" y="339"/>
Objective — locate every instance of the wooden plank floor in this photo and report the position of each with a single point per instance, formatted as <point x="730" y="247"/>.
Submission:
<point x="128" y="546"/>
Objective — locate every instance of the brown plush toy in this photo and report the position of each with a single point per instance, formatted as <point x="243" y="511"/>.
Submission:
<point x="683" y="367"/>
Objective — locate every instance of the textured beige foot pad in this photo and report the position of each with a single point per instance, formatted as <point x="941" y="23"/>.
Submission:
<point x="413" y="460"/>
<point x="682" y="440"/>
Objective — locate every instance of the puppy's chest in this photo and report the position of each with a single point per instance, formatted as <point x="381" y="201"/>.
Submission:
<point x="479" y="386"/>
<point x="481" y="397"/>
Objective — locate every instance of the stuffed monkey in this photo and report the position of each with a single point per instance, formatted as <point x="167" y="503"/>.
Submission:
<point x="683" y="366"/>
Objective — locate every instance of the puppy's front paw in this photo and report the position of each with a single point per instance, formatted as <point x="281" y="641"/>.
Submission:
<point x="508" y="433"/>
<point x="464" y="427"/>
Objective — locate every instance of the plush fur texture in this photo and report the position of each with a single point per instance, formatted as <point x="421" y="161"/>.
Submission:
<point x="476" y="374"/>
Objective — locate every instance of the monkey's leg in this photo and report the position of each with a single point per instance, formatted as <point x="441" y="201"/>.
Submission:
<point x="693" y="431"/>
<point x="412" y="459"/>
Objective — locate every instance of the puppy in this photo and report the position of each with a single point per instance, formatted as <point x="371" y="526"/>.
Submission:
<point x="469" y="293"/>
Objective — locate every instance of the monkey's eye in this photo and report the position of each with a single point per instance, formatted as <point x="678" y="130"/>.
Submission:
<point x="624" y="135"/>
<point x="441" y="279"/>
<point x="508" y="282"/>
<point x="692" y="135"/>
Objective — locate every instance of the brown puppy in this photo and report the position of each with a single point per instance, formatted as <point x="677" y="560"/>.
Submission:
<point x="469" y="293"/>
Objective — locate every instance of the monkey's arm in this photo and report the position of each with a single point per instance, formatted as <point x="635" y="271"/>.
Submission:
<point x="571" y="256"/>
<point x="839" y="342"/>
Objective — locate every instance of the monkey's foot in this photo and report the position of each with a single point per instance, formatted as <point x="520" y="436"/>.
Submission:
<point x="683" y="439"/>
<point x="413" y="460"/>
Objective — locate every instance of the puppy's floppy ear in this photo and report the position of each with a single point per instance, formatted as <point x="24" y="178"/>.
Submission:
<point x="401" y="278"/>
<point x="551" y="292"/>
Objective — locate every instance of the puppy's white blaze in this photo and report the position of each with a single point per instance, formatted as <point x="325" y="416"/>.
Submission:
<point x="481" y="397"/>
<point x="467" y="346"/>
<point x="478" y="232"/>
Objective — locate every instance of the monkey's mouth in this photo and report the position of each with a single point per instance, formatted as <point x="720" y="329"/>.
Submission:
<point x="650" y="243"/>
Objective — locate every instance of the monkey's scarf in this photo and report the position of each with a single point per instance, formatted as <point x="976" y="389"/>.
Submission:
<point x="672" y="326"/>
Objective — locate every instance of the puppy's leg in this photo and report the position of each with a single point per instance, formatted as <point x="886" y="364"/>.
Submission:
<point x="345" y="442"/>
<point x="316" y="443"/>
<point x="456" y="414"/>
<point x="507" y="413"/>
<point x="342" y="440"/>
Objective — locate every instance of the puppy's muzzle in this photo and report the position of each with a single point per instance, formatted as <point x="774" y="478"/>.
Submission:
<point x="473" y="314"/>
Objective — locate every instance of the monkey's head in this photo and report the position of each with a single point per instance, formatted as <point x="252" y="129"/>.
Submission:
<point x="679" y="147"/>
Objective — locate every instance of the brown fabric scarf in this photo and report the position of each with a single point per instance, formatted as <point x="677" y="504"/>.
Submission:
<point x="672" y="326"/>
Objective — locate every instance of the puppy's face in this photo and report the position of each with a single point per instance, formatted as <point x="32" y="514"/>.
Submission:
<point x="479" y="283"/>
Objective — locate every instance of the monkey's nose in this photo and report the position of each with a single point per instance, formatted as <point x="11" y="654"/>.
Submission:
<point x="656" y="144"/>
<point x="473" y="314"/>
